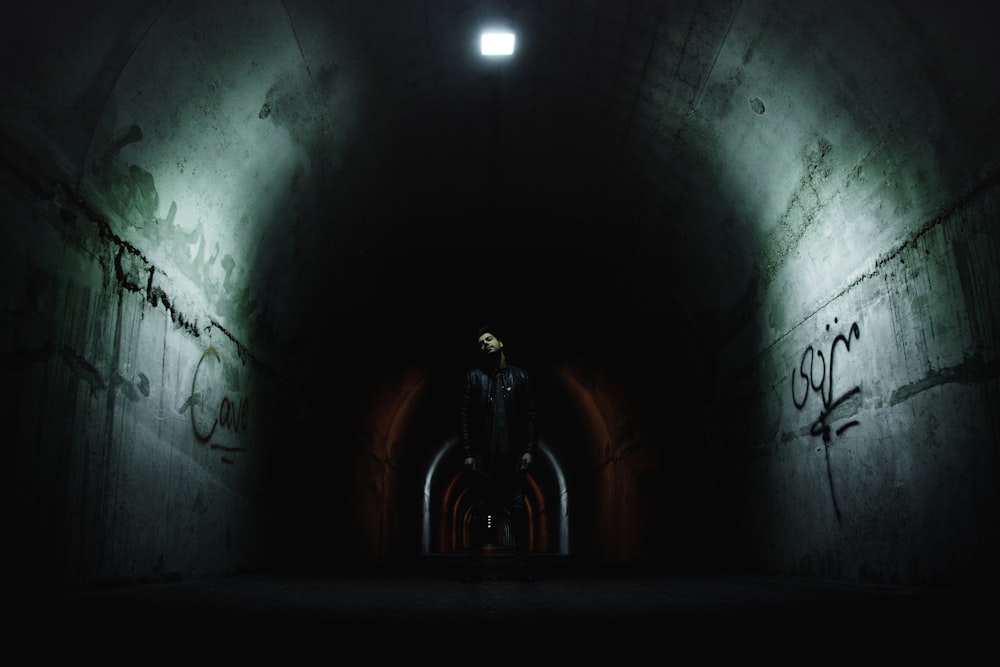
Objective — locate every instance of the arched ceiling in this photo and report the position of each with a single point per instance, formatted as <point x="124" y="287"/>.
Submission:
<point x="310" y="168"/>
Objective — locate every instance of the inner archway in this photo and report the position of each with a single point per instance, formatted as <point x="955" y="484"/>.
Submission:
<point x="447" y="507"/>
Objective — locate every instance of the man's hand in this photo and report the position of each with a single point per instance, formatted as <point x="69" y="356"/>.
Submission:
<point x="526" y="460"/>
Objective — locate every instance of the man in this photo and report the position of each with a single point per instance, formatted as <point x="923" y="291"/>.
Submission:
<point x="498" y="443"/>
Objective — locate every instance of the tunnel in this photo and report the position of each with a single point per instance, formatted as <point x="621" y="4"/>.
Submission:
<point x="747" y="249"/>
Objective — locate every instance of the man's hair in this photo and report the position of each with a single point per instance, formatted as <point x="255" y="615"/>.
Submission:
<point x="486" y="328"/>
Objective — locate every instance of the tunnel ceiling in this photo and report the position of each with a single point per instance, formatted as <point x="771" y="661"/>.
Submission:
<point x="303" y="162"/>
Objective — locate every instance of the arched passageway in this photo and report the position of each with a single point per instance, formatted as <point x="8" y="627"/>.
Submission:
<point x="447" y="509"/>
<point x="684" y="211"/>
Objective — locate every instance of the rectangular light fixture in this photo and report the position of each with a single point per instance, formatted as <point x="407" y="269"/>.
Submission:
<point x="497" y="43"/>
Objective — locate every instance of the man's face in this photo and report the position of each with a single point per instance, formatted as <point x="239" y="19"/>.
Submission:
<point x="489" y="344"/>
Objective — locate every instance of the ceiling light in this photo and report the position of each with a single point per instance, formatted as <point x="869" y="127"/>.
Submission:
<point x="497" y="43"/>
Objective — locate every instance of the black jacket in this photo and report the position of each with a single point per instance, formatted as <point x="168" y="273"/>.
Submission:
<point x="477" y="413"/>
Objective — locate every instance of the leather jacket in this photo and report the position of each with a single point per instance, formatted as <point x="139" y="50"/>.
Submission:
<point x="477" y="413"/>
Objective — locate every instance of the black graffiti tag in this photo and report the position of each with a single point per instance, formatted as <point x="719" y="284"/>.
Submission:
<point x="815" y="375"/>
<point x="232" y="415"/>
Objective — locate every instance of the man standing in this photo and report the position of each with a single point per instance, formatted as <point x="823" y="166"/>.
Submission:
<point x="498" y="442"/>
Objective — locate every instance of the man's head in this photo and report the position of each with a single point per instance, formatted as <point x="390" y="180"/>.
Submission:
<point x="489" y="341"/>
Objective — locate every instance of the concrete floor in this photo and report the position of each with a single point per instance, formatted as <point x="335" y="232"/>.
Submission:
<point x="566" y="610"/>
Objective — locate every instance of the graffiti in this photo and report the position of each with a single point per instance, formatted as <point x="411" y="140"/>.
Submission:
<point x="815" y="376"/>
<point x="232" y="415"/>
<point x="820" y="427"/>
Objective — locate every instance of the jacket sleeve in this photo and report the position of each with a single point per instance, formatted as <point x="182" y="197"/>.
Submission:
<point x="530" y="432"/>
<point x="465" y="415"/>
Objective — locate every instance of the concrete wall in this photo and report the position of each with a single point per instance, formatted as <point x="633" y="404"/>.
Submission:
<point x="142" y="445"/>
<point x="867" y="448"/>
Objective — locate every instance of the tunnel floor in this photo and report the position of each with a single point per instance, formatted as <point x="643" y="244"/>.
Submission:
<point x="566" y="608"/>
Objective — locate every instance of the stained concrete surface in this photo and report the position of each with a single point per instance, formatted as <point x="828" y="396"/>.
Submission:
<point x="567" y="610"/>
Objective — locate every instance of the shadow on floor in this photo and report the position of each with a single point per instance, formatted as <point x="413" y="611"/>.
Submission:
<point x="566" y="609"/>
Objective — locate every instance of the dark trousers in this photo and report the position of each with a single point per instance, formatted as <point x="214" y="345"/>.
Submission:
<point x="506" y="490"/>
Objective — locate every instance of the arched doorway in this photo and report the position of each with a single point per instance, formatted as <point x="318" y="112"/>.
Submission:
<point x="447" y="507"/>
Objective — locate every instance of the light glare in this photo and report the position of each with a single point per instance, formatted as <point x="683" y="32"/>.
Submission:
<point x="497" y="43"/>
